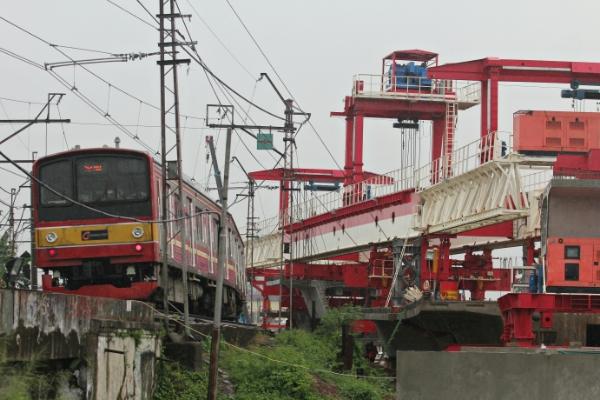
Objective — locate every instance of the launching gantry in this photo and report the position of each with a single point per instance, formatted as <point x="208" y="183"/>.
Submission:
<point x="366" y="241"/>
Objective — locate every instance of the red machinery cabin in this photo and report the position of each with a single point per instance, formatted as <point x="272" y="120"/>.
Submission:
<point x="556" y="131"/>
<point x="571" y="236"/>
<point x="406" y="70"/>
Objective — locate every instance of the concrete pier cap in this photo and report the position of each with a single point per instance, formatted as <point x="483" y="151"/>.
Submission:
<point x="498" y="374"/>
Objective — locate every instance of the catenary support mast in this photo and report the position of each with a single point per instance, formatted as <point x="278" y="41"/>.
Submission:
<point x="168" y="72"/>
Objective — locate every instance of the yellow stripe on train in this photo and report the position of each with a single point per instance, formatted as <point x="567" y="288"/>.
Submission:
<point x="96" y="234"/>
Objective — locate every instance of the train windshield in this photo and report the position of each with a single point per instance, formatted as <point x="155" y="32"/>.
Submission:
<point x="59" y="178"/>
<point x="118" y="184"/>
<point x="111" y="179"/>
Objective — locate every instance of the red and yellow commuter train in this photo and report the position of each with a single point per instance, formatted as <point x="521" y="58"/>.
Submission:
<point x="100" y="236"/>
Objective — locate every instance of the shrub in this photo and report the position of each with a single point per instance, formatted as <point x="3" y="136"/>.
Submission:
<point x="175" y="382"/>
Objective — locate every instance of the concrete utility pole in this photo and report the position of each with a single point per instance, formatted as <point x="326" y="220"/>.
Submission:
<point x="250" y="230"/>
<point x="216" y="331"/>
<point x="287" y="184"/>
<point x="223" y="189"/>
<point x="168" y="66"/>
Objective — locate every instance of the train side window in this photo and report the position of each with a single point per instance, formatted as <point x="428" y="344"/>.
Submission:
<point x="572" y="252"/>
<point x="199" y="225"/>
<point x="571" y="272"/>
<point x="188" y="220"/>
<point x="205" y="228"/>
<point x="177" y="212"/>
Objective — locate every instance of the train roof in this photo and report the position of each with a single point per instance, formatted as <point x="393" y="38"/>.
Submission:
<point x="108" y="150"/>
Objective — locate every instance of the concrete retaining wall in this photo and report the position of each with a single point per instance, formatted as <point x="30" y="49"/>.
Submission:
<point x="114" y="344"/>
<point x="509" y="373"/>
<point x="50" y="326"/>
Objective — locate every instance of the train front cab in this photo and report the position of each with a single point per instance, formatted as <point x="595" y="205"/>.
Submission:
<point x="571" y="236"/>
<point x="86" y="252"/>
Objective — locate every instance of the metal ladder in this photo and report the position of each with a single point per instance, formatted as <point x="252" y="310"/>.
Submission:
<point x="451" y="114"/>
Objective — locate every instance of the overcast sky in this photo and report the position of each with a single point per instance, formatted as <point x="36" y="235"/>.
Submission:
<point x="316" y="47"/>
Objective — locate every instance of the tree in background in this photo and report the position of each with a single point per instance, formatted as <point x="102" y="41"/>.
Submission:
<point x="4" y="256"/>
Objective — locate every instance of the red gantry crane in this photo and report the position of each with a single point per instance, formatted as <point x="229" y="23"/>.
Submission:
<point x="429" y="228"/>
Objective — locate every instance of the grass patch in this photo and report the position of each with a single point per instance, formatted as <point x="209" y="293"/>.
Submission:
<point x="259" y="378"/>
<point x="175" y="382"/>
<point x="262" y="377"/>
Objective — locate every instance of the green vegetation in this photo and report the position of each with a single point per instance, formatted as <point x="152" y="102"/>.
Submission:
<point x="175" y="382"/>
<point x="312" y="375"/>
<point x="31" y="381"/>
<point x="4" y="255"/>
<point x="135" y="334"/>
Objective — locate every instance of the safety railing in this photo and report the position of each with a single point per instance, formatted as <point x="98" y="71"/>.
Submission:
<point x="415" y="86"/>
<point x="267" y="226"/>
<point x="494" y="146"/>
<point x="536" y="180"/>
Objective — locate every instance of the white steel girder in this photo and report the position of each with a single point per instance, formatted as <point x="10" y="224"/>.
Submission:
<point x="486" y="195"/>
<point x="267" y="251"/>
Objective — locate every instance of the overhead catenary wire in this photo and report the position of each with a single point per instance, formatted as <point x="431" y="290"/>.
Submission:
<point x="86" y="100"/>
<point x="231" y="99"/>
<point x="196" y="57"/>
<point x="222" y="85"/>
<point x="22" y="101"/>
<point x="262" y="52"/>
<point x="93" y="209"/>
<point x="7" y="116"/>
<point x="132" y="14"/>
<point x="207" y="73"/>
<point x="212" y="32"/>
<point x="97" y="76"/>
<point x="264" y="357"/>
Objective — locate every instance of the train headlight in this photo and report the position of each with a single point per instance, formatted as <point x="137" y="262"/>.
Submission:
<point x="51" y="237"/>
<point x="137" y="232"/>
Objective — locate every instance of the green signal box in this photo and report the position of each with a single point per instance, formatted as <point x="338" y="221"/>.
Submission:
<point x="264" y="141"/>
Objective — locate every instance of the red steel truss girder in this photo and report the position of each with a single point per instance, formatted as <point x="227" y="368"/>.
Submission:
<point x="548" y="302"/>
<point x="392" y="108"/>
<point x="518" y="308"/>
<point x="333" y="272"/>
<point x="352" y="275"/>
<point x="346" y="257"/>
<point x="511" y="70"/>
<point x="583" y="166"/>
<point x="500" y="229"/>
<point x="266" y="272"/>
<point x="306" y="175"/>
<point x="501" y="282"/>
<point x="348" y="211"/>
<point x="494" y="70"/>
<point x="299" y="174"/>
